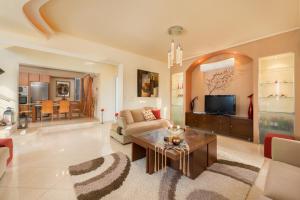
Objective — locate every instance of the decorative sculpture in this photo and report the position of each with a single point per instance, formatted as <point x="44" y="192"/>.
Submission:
<point x="250" y="108"/>
<point x="193" y="103"/>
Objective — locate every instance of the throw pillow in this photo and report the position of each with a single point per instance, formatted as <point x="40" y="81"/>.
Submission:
<point x="156" y="113"/>
<point x="148" y="115"/>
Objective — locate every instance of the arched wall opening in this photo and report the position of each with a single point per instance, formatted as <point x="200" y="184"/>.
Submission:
<point x="241" y="83"/>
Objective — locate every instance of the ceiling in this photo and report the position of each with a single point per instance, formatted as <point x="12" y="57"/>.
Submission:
<point x="12" y="18"/>
<point x="140" y="26"/>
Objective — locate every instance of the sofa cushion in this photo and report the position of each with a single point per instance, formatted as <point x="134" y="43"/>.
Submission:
<point x="141" y="127"/>
<point x="138" y="115"/>
<point x="127" y="115"/>
<point x="148" y="115"/>
<point x="282" y="151"/>
<point x="283" y="181"/>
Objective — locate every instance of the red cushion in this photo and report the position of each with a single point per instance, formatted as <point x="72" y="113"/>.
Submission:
<point x="268" y="142"/>
<point x="7" y="142"/>
<point x="156" y="113"/>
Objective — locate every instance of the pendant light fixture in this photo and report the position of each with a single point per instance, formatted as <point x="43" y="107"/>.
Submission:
<point x="175" y="51"/>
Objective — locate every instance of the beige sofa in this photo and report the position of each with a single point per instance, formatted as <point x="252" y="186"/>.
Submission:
<point x="132" y="122"/>
<point x="279" y="178"/>
<point x="4" y="155"/>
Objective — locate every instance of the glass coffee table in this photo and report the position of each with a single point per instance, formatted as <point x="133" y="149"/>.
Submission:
<point x="201" y="154"/>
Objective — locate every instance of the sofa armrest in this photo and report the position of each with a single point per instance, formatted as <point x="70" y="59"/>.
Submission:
<point x="121" y="121"/>
<point x="287" y="151"/>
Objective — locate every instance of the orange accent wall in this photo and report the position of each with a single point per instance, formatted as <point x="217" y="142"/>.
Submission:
<point x="199" y="61"/>
<point x="240" y="84"/>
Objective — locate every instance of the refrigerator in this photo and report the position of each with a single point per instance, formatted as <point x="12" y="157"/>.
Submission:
<point x="39" y="91"/>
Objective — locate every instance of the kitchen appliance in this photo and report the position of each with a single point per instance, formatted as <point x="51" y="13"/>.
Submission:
<point x="23" y="94"/>
<point x="39" y="91"/>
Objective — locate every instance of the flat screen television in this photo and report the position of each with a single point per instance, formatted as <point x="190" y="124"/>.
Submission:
<point x="220" y="104"/>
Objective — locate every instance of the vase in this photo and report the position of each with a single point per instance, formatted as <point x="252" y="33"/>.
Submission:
<point x="250" y="108"/>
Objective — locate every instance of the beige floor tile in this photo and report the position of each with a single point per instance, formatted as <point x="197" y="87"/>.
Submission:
<point x="20" y="193"/>
<point x="32" y="177"/>
<point x="59" y="195"/>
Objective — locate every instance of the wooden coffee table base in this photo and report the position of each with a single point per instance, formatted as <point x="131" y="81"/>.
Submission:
<point x="199" y="159"/>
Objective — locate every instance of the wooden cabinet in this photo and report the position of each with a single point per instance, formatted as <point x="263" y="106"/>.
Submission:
<point x="34" y="77"/>
<point x="44" y="78"/>
<point x="23" y="79"/>
<point x="233" y="126"/>
<point x="242" y="128"/>
<point x="224" y="125"/>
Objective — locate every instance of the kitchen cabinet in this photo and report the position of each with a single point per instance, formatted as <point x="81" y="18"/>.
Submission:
<point x="34" y="77"/>
<point x="44" y="78"/>
<point x="23" y="79"/>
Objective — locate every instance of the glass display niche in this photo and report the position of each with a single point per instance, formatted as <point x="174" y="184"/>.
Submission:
<point x="276" y="94"/>
<point x="177" y="99"/>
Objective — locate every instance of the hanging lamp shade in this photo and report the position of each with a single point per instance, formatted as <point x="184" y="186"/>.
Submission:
<point x="175" y="52"/>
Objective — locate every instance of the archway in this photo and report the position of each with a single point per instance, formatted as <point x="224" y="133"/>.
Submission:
<point x="201" y="60"/>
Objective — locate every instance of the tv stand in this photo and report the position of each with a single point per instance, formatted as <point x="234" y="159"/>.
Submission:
<point x="234" y="126"/>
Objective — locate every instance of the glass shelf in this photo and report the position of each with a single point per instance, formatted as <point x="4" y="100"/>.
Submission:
<point x="274" y="83"/>
<point x="282" y="68"/>
<point x="276" y="78"/>
<point x="275" y="97"/>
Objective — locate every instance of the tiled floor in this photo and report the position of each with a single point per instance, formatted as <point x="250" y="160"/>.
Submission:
<point x="39" y="169"/>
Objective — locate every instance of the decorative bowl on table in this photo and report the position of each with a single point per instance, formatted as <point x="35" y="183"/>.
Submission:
<point x="176" y="140"/>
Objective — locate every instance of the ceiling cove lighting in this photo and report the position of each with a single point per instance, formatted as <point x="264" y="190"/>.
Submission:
<point x="175" y="50"/>
<point x="228" y="63"/>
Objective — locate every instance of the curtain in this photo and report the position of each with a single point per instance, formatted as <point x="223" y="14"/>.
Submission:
<point x="88" y="101"/>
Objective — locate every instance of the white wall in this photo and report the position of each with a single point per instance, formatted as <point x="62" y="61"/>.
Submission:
<point x="8" y="82"/>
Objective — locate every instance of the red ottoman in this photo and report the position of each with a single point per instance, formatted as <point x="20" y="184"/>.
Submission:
<point x="7" y="142"/>
<point x="268" y="142"/>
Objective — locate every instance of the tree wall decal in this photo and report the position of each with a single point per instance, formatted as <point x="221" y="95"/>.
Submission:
<point x="219" y="80"/>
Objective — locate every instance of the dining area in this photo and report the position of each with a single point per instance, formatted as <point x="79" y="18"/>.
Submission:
<point x="47" y="95"/>
<point x="50" y="109"/>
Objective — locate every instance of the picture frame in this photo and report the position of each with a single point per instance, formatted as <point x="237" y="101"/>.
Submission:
<point x="63" y="88"/>
<point x="147" y="84"/>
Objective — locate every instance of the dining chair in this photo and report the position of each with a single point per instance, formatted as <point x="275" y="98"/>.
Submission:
<point x="76" y="108"/>
<point x="64" y="108"/>
<point x="47" y="108"/>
